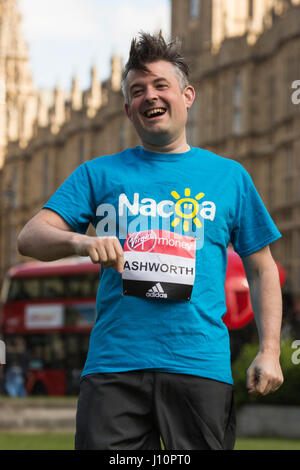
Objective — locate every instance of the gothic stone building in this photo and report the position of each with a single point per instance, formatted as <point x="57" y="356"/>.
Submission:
<point x="244" y="57"/>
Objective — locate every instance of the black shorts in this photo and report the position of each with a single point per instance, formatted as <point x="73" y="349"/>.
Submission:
<point x="136" y="410"/>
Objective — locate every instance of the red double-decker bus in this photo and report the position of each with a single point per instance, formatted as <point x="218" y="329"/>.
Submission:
<point x="52" y="307"/>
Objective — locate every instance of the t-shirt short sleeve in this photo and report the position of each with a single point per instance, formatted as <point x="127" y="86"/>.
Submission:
<point x="74" y="201"/>
<point x="253" y="227"/>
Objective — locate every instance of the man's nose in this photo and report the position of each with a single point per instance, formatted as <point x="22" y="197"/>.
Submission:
<point x="150" y="94"/>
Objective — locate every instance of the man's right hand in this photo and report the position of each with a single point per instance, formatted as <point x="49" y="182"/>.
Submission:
<point x="103" y="250"/>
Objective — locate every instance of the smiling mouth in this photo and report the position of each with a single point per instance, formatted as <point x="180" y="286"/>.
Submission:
<point x="154" y="112"/>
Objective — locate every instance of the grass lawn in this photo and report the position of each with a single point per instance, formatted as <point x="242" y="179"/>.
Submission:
<point x="267" y="444"/>
<point x="60" y="441"/>
<point x="36" y="441"/>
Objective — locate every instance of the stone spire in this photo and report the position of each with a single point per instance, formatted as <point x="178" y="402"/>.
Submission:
<point x="116" y="72"/>
<point x="57" y="115"/>
<point x="76" y="94"/>
<point x="94" y="94"/>
<point x="15" y="72"/>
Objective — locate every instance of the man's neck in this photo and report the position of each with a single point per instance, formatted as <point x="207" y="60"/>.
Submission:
<point x="172" y="147"/>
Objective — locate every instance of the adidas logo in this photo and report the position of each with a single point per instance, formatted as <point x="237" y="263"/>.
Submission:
<point x="157" y="291"/>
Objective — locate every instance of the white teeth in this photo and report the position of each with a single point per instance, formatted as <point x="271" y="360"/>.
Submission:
<point x="154" y="111"/>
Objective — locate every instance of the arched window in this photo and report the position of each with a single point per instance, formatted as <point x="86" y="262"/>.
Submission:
<point x="195" y="8"/>
<point x="237" y="124"/>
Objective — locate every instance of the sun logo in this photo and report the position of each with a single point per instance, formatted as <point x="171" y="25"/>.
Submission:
<point x="186" y="208"/>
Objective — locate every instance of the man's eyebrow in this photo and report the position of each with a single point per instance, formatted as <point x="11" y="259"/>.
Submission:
<point x="159" y="79"/>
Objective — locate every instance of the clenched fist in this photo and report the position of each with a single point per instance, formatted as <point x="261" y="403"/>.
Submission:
<point x="103" y="250"/>
<point x="264" y="374"/>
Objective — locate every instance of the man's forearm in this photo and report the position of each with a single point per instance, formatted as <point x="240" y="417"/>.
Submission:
<point x="264" y="374"/>
<point x="46" y="243"/>
<point x="48" y="237"/>
<point x="266" y="299"/>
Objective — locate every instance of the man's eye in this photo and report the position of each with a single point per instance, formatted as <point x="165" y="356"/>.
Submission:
<point x="161" y="86"/>
<point x="137" y="92"/>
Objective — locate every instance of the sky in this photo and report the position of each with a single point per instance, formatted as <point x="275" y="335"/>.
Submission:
<point x="67" y="37"/>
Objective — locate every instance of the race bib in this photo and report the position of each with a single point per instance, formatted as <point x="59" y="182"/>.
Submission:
<point x="159" y="264"/>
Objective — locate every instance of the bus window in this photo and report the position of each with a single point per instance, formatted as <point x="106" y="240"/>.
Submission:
<point x="15" y="290"/>
<point x="58" y="349"/>
<point x="31" y="289"/>
<point x="80" y="314"/>
<point x="4" y="290"/>
<point x="73" y="287"/>
<point x="52" y="288"/>
<point x="24" y="289"/>
<point x="81" y="286"/>
<point x="47" y="351"/>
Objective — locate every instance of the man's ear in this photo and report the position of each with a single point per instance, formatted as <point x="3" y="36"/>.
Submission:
<point x="189" y="96"/>
<point x="127" y="110"/>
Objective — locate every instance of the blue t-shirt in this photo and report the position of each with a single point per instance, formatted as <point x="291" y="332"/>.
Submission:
<point x="175" y="215"/>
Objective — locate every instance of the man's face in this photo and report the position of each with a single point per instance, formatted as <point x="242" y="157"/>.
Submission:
<point x="157" y="106"/>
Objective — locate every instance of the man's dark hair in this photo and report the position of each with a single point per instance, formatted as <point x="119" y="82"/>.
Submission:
<point x="151" y="48"/>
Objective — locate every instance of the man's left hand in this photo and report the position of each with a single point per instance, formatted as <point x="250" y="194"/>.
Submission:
<point x="264" y="374"/>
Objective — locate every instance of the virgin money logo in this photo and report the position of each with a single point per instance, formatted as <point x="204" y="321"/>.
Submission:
<point x="142" y="241"/>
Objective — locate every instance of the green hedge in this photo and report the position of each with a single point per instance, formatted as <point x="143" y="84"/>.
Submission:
<point x="287" y="394"/>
